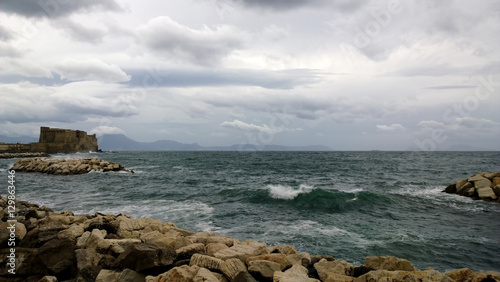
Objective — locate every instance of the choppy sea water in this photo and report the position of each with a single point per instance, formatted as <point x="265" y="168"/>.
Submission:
<point x="346" y="204"/>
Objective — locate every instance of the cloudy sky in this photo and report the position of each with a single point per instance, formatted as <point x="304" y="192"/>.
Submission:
<point x="352" y="75"/>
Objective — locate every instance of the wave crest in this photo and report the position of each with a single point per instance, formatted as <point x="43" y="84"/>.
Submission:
<point x="286" y="192"/>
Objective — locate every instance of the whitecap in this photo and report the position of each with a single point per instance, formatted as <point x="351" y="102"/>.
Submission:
<point x="286" y="192"/>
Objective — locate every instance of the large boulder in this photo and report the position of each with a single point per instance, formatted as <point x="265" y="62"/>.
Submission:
<point x="233" y="267"/>
<point x="482" y="183"/>
<point x="243" y="250"/>
<point x="323" y="267"/>
<point x="58" y="255"/>
<point x="296" y="273"/>
<point x="388" y="263"/>
<point x="140" y="257"/>
<point x="280" y="259"/>
<point x="486" y="193"/>
<point x="464" y="189"/>
<point x="263" y="269"/>
<point x="206" y="262"/>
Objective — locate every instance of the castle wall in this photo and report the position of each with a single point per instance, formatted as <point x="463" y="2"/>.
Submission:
<point x="56" y="140"/>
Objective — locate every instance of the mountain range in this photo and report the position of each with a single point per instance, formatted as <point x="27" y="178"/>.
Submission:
<point x="120" y="142"/>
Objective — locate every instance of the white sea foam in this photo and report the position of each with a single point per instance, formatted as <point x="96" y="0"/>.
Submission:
<point x="286" y="192"/>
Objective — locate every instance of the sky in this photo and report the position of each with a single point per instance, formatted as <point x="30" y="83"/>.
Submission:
<point x="351" y="75"/>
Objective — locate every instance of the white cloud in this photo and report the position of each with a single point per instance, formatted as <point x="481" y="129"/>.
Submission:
<point x="104" y="129"/>
<point x="395" y="127"/>
<point x="90" y="69"/>
<point x="237" y="124"/>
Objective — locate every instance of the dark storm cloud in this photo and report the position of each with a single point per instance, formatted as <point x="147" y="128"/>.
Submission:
<point x="285" y="79"/>
<point x="53" y="8"/>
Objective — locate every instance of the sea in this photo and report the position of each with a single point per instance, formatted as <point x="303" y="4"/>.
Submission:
<point x="346" y="204"/>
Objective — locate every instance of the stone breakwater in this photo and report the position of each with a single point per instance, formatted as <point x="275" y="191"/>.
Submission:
<point x="484" y="186"/>
<point x="66" y="166"/>
<point x="52" y="246"/>
<point x="22" y="155"/>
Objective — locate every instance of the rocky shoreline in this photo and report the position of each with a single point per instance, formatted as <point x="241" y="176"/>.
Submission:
<point x="66" y="166"/>
<point x="51" y="246"/>
<point x="484" y="186"/>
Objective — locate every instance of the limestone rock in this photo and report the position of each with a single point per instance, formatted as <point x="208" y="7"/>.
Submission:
<point x="187" y="251"/>
<point x="486" y="193"/>
<point x="334" y="277"/>
<point x="388" y="263"/>
<point x="482" y="183"/>
<point x="205" y="275"/>
<point x="460" y="183"/>
<point x="263" y="268"/>
<point x="232" y="267"/>
<point x="464" y="189"/>
<point x="323" y="267"/>
<point x="206" y="262"/>
<point x="491" y="175"/>
<point x="495" y="181"/>
<point x="296" y="273"/>
<point x="180" y="274"/>
<point x="48" y="279"/>
<point x="486" y="276"/>
<point x="207" y="238"/>
<point x="129" y="275"/>
<point x="451" y="188"/>
<point x="462" y="274"/>
<point x="496" y="189"/>
<point x="399" y="275"/>
<point x="58" y="255"/>
<point x="281" y="259"/>
<point x="287" y="250"/>
<point x="302" y="258"/>
<point x="476" y="177"/>
<point x="213" y="248"/>
<point x="73" y="232"/>
<point x="106" y="275"/>
<point x="141" y="257"/>
<point x="243" y="250"/>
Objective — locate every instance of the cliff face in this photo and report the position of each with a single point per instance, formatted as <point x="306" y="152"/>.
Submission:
<point x="56" y="140"/>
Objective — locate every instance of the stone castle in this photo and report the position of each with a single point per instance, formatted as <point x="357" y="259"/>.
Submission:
<point x="56" y="140"/>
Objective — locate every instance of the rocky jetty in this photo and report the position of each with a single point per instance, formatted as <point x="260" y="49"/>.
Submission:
<point x="22" y="155"/>
<point x="51" y="246"/>
<point x="484" y="186"/>
<point x="66" y="166"/>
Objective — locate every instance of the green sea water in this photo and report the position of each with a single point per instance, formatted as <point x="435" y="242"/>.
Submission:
<point x="346" y="204"/>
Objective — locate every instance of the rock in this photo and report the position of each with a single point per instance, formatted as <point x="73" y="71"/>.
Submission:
<point x="334" y="277"/>
<point x="207" y="238"/>
<point x="179" y="274"/>
<point x="296" y="273"/>
<point x="205" y="275"/>
<point x="417" y="275"/>
<point x="73" y="232"/>
<point x="388" y="263"/>
<point x="317" y="258"/>
<point x="451" y="189"/>
<point x="129" y="275"/>
<point x="243" y="250"/>
<point x="243" y="277"/>
<point x="462" y="274"/>
<point x="48" y="279"/>
<point x="280" y="259"/>
<point x="323" y="267"/>
<point x="482" y="183"/>
<point x="187" y="251"/>
<point x="106" y="275"/>
<point x="206" y="262"/>
<point x="491" y="175"/>
<point x="303" y="258"/>
<point x="486" y="193"/>
<point x="464" y="189"/>
<point x="58" y="255"/>
<point x="476" y="177"/>
<point x="471" y="192"/>
<point x="213" y="248"/>
<point x="140" y="257"/>
<point x="232" y="267"/>
<point x="486" y="276"/>
<point x="5" y="231"/>
<point x="460" y="183"/>
<point x="263" y="269"/>
<point x="496" y="189"/>
<point x="65" y="166"/>
<point x="495" y="181"/>
<point x="287" y="250"/>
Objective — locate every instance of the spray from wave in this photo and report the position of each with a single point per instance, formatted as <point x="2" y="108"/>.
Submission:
<point x="286" y="192"/>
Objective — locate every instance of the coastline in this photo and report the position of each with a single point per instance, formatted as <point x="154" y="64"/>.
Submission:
<point x="103" y="247"/>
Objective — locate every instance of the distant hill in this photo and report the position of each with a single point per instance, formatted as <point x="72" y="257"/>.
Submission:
<point x="120" y="142"/>
<point x="21" y="139"/>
